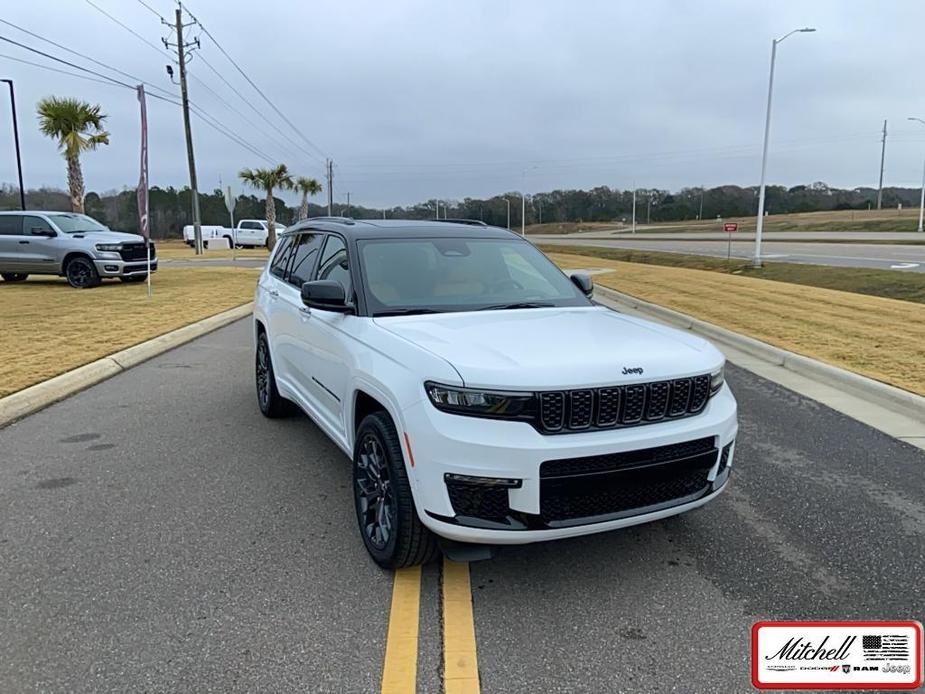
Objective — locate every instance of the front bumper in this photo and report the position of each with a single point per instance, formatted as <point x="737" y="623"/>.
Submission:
<point x="445" y="444"/>
<point x="123" y="268"/>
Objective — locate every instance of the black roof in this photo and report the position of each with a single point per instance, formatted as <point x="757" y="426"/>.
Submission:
<point x="401" y="228"/>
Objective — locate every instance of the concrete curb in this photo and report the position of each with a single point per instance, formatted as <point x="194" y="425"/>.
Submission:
<point x="890" y="397"/>
<point x="41" y="395"/>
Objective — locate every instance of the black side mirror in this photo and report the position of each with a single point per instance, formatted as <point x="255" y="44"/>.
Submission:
<point x="327" y="295"/>
<point x="39" y="231"/>
<point x="583" y="282"/>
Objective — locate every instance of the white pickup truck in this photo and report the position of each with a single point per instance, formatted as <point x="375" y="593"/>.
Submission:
<point x="249" y="232"/>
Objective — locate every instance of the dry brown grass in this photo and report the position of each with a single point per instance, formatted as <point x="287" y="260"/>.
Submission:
<point x="50" y="328"/>
<point x="839" y="220"/>
<point x="880" y="338"/>
<point x="568" y="227"/>
<point x="176" y="249"/>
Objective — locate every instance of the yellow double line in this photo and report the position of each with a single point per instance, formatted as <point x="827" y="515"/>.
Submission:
<point x="460" y="661"/>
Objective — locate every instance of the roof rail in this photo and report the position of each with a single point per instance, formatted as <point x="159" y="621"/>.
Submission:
<point x="470" y="222"/>
<point x="340" y="220"/>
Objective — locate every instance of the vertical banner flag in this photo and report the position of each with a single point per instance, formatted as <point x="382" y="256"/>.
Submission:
<point x="143" y="224"/>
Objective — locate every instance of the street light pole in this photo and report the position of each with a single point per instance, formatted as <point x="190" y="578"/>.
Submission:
<point x="634" y="207"/>
<point x="764" y="154"/>
<point x="508" y="201"/>
<point x="922" y="198"/>
<point x="22" y="190"/>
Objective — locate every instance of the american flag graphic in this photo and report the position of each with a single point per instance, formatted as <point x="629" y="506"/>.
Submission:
<point x="885" y="647"/>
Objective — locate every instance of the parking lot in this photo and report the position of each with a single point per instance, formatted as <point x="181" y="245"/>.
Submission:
<point x="158" y="534"/>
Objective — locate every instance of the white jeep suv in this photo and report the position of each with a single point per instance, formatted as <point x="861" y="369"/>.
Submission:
<point x="483" y="397"/>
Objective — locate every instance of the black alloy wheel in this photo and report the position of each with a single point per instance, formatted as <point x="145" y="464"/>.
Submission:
<point x="271" y="403"/>
<point x="81" y="273"/>
<point x="374" y="495"/>
<point x="388" y="520"/>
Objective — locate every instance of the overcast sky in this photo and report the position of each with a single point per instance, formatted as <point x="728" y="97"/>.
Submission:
<point x="418" y="99"/>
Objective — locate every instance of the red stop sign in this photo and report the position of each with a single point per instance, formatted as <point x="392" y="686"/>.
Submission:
<point x="730" y="226"/>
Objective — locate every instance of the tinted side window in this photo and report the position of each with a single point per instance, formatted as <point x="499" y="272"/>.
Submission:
<point x="10" y="224"/>
<point x="333" y="265"/>
<point x="303" y="258"/>
<point x="248" y="225"/>
<point x="278" y="268"/>
<point x="32" y="224"/>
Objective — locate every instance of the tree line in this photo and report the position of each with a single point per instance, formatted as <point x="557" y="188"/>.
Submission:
<point x="170" y="208"/>
<point x="78" y="128"/>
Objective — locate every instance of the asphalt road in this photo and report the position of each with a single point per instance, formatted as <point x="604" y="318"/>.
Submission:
<point x="157" y="534"/>
<point x="908" y="258"/>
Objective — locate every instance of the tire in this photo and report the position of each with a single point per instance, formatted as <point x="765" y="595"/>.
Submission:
<point x="14" y="276"/>
<point x="271" y="403"/>
<point x="134" y="278"/>
<point x="81" y="273"/>
<point x="230" y="242"/>
<point x="389" y="525"/>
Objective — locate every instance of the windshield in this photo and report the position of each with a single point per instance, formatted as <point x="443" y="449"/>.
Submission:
<point x="458" y="274"/>
<point x="76" y="223"/>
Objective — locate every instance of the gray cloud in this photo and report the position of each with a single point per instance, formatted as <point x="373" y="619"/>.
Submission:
<point x="444" y="99"/>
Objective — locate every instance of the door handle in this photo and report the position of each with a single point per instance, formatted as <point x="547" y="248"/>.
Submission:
<point x="274" y="293"/>
<point x="24" y="242"/>
<point x="305" y="312"/>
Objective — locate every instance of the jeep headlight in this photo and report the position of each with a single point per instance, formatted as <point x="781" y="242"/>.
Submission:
<point x="717" y="378"/>
<point x="109" y="246"/>
<point x="481" y="403"/>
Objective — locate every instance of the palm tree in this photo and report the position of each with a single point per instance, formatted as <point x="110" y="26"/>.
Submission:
<point x="267" y="180"/>
<point x="78" y="127"/>
<point x="306" y="186"/>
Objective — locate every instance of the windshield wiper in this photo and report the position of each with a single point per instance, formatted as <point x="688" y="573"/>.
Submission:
<point x="521" y="304"/>
<point x="405" y="312"/>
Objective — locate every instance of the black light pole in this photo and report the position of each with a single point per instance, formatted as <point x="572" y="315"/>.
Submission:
<point x="22" y="190"/>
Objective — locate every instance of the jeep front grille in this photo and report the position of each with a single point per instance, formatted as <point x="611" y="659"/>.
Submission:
<point x="619" y="406"/>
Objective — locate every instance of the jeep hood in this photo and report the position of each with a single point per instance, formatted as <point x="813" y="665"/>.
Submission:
<point x="548" y="348"/>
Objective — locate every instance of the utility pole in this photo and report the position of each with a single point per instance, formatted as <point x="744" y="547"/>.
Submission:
<point x="882" y="159"/>
<point x="649" y="209"/>
<point x="634" y="208"/>
<point x="523" y="213"/>
<point x="330" y="172"/>
<point x="348" y="204"/>
<point x="700" y="215"/>
<point x="22" y="190"/>
<point x="508" y="212"/>
<point x="181" y="59"/>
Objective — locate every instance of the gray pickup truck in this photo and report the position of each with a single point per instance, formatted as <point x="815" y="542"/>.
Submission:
<point x="70" y="245"/>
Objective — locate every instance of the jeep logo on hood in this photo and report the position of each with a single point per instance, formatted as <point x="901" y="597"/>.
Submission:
<point x="632" y="370"/>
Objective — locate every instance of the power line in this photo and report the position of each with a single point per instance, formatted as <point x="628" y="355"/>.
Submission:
<point x="81" y="55"/>
<point x="65" y="62"/>
<point x="254" y="108"/>
<point x="254" y="85"/>
<point x="127" y="28"/>
<point x="54" y="69"/>
<point x="200" y="81"/>
<point x="207" y="118"/>
<point x="151" y="9"/>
